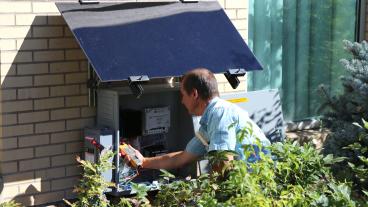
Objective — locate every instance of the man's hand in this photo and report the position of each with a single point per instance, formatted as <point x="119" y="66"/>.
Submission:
<point x="131" y="156"/>
<point x="166" y="161"/>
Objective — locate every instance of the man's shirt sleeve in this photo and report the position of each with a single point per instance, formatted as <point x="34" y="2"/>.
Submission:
<point x="196" y="147"/>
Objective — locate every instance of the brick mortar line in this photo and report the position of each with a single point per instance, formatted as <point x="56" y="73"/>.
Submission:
<point x="44" y="122"/>
<point x="50" y="135"/>
<point x="17" y="111"/>
<point x="29" y="171"/>
<point x="41" y="157"/>
<point x="43" y="50"/>
<point x="42" y="98"/>
<point x="72" y="72"/>
<point x="31" y="6"/>
<point x="20" y="38"/>
<point x="23" y="112"/>
<point x="70" y="176"/>
<point x="33" y="75"/>
<point x="41" y="110"/>
<point x="56" y="61"/>
<point x="52" y="179"/>
<point x="64" y="78"/>
<point x="44" y="61"/>
<point x="71" y="119"/>
<point x="40" y="122"/>
<point x="33" y="25"/>
<point x="56" y="179"/>
<point x="43" y="86"/>
<point x="35" y="13"/>
<point x="7" y="162"/>
<point x="29" y="159"/>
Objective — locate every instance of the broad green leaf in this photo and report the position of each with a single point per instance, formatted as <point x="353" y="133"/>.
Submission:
<point x="165" y="173"/>
<point x="365" y="124"/>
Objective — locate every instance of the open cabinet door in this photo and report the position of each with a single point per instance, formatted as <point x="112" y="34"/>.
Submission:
<point x="264" y="108"/>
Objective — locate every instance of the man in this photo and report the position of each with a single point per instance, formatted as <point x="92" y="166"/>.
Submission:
<point x="200" y="96"/>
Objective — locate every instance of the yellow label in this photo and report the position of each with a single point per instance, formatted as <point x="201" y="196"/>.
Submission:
<point x="238" y="100"/>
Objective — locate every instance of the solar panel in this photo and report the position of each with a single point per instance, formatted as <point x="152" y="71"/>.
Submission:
<point x="157" y="39"/>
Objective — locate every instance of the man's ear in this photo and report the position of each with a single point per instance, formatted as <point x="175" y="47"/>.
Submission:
<point x="195" y="93"/>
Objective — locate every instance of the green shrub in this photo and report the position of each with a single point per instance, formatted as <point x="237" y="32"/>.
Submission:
<point x="90" y="191"/>
<point x="293" y="176"/>
<point x="341" y="111"/>
<point x="91" y="188"/>
<point x="299" y="177"/>
<point x="10" y="204"/>
<point x="360" y="166"/>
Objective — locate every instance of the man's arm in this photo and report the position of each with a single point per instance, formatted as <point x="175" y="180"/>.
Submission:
<point x="168" y="161"/>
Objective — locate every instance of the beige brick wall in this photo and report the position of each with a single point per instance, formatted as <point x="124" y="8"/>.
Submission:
<point x="42" y="95"/>
<point x="44" y="100"/>
<point x="237" y="11"/>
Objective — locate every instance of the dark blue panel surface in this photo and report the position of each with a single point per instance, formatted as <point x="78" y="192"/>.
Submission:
<point x="157" y="39"/>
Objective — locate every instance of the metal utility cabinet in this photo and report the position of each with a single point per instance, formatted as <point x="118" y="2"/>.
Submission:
<point x="121" y="111"/>
<point x="136" y="52"/>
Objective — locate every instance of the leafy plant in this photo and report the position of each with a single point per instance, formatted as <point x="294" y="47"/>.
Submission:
<point x="351" y="106"/>
<point x="92" y="186"/>
<point x="294" y="175"/>
<point x="174" y="193"/>
<point x="347" y="139"/>
<point x="299" y="177"/>
<point x="124" y="202"/>
<point x="10" y="204"/>
<point x="140" y="199"/>
<point x="360" y="167"/>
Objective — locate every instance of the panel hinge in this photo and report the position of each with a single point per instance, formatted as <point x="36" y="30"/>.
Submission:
<point x="135" y="84"/>
<point x="232" y="76"/>
<point x="92" y="84"/>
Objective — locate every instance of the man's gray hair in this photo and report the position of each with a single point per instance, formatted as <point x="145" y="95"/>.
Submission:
<point x="203" y="80"/>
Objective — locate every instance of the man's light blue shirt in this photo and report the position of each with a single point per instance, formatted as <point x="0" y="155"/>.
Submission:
<point x="215" y="127"/>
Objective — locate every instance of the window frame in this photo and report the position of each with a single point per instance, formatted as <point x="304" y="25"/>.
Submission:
<point x="361" y="9"/>
<point x="360" y="33"/>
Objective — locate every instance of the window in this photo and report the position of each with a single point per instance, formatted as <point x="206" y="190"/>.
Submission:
<point x="299" y="44"/>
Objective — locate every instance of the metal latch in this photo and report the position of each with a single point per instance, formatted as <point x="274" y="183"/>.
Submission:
<point x="232" y="76"/>
<point x="88" y="2"/>
<point x="189" y="1"/>
<point x="135" y="84"/>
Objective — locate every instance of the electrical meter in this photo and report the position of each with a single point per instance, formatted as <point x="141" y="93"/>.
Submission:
<point x="156" y="120"/>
